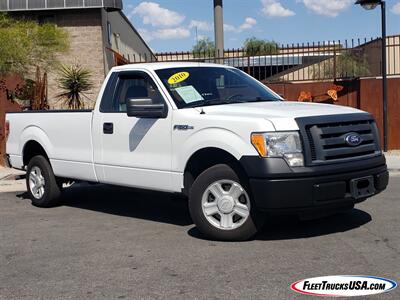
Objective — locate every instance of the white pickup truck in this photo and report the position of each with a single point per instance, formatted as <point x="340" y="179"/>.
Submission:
<point x="211" y="132"/>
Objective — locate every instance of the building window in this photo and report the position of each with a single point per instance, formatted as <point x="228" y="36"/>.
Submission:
<point x="116" y="41"/>
<point x="109" y="33"/>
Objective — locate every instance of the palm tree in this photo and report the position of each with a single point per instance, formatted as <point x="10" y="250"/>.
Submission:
<point x="75" y="82"/>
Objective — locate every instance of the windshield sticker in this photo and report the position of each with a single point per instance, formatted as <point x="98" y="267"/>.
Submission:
<point x="178" y="77"/>
<point x="189" y="94"/>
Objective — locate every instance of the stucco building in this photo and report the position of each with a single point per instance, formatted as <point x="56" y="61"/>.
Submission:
<point x="100" y="35"/>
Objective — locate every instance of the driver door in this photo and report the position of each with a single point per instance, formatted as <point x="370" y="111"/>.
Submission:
<point x="130" y="151"/>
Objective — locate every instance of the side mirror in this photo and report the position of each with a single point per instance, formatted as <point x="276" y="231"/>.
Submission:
<point x="145" y="108"/>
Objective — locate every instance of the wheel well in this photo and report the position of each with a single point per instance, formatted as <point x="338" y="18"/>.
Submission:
<point x="206" y="158"/>
<point x="31" y="149"/>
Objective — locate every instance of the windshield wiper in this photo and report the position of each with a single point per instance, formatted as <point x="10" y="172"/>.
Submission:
<point x="211" y="102"/>
<point x="263" y="100"/>
<point x="232" y="101"/>
<point x="195" y="104"/>
<point x="216" y="101"/>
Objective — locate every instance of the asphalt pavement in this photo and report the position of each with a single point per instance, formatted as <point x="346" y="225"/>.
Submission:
<point x="115" y="243"/>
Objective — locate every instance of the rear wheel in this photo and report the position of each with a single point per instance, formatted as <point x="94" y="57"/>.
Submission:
<point x="221" y="207"/>
<point x="41" y="183"/>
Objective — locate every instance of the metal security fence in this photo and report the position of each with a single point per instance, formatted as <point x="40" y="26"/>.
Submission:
<point x="318" y="61"/>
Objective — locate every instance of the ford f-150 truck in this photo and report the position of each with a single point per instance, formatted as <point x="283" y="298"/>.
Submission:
<point x="235" y="148"/>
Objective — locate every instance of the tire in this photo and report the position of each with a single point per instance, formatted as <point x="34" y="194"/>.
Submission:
<point x="214" y="211"/>
<point x="41" y="183"/>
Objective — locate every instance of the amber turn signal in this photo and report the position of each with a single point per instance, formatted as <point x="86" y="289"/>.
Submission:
<point x="258" y="141"/>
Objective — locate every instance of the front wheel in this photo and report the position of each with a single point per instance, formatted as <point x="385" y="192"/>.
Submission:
<point x="41" y="183"/>
<point x="221" y="206"/>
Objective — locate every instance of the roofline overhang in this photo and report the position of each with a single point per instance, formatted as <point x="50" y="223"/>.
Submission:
<point x="38" y="5"/>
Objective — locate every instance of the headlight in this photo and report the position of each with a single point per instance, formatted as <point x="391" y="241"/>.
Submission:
<point x="280" y="144"/>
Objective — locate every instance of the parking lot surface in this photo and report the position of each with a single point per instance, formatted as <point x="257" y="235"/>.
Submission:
<point x="115" y="243"/>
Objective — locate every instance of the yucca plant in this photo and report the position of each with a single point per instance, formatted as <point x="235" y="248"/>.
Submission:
<point x="75" y="82"/>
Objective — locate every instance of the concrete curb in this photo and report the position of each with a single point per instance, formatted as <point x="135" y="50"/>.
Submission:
<point x="10" y="174"/>
<point x="13" y="177"/>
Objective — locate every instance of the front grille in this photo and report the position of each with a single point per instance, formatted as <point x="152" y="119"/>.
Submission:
<point x="325" y="140"/>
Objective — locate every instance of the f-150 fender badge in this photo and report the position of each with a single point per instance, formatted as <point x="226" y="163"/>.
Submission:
<point x="183" y="127"/>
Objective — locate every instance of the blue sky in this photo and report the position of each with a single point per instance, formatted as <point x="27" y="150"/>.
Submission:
<point x="169" y="25"/>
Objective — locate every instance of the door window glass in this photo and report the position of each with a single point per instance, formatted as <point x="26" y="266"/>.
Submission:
<point x="135" y="86"/>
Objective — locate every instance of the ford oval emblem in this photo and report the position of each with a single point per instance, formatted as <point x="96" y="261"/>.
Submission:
<point x="353" y="139"/>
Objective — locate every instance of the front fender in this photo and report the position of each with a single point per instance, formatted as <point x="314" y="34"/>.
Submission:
<point x="215" y="137"/>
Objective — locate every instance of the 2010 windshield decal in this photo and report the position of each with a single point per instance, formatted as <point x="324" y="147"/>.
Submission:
<point x="178" y="77"/>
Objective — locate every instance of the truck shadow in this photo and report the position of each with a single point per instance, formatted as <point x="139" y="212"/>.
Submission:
<point x="290" y="227"/>
<point x="127" y="202"/>
<point x="172" y="209"/>
<point x="167" y="208"/>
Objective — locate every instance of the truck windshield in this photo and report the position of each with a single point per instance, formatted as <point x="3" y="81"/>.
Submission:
<point x="205" y="86"/>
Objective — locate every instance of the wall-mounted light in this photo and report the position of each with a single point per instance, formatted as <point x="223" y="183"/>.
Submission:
<point x="369" y="4"/>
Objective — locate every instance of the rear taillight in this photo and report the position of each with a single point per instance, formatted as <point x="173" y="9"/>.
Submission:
<point x="7" y="129"/>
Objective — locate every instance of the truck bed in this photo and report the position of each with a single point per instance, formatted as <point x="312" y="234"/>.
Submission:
<point x="65" y="134"/>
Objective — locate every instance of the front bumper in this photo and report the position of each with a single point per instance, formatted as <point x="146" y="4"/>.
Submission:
<point x="331" y="187"/>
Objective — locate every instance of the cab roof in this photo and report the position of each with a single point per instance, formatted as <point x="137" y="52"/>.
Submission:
<point x="166" y="65"/>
